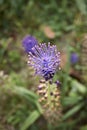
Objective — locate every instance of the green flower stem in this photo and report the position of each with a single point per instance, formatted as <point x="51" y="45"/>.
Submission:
<point x="49" y="96"/>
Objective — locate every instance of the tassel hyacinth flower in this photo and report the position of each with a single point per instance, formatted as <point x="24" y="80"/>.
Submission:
<point x="45" y="60"/>
<point x="74" y="58"/>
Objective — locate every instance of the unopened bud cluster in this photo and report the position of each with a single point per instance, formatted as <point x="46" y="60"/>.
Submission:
<point x="50" y="100"/>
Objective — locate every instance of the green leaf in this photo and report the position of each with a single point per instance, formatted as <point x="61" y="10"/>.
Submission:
<point x="72" y="111"/>
<point x="83" y="127"/>
<point x="71" y="100"/>
<point x="82" y="6"/>
<point x="80" y="87"/>
<point x="39" y="107"/>
<point x="30" y="120"/>
<point x="23" y="91"/>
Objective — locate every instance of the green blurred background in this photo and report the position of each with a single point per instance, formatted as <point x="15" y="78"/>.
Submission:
<point x="62" y="22"/>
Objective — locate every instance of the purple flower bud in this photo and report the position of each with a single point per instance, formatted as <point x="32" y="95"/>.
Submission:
<point x="74" y="58"/>
<point x="28" y="43"/>
<point x="58" y="83"/>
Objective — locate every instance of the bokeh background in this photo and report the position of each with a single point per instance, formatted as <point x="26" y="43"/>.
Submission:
<point x="62" y="22"/>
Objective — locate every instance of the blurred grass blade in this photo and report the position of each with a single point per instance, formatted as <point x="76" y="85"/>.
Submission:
<point x="23" y="91"/>
<point x="83" y="127"/>
<point x="71" y="100"/>
<point x="72" y="111"/>
<point x="82" y="6"/>
<point x="39" y="107"/>
<point x="80" y="87"/>
<point x="30" y="96"/>
<point x="30" y="120"/>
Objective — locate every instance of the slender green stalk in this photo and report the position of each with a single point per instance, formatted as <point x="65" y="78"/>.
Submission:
<point x="49" y="96"/>
<point x="67" y="68"/>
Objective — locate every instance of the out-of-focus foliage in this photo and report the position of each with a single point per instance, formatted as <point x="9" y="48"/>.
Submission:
<point x="63" y="22"/>
<point x="62" y="16"/>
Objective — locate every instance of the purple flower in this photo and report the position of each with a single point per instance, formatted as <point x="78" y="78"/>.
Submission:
<point x="45" y="61"/>
<point x="28" y="43"/>
<point x="74" y="58"/>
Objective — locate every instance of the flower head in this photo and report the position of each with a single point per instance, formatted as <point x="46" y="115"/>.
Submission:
<point x="74" y="58"/>
<point x="45" y="61"/>
<point x="28" y="43"/>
